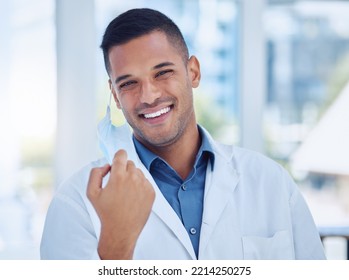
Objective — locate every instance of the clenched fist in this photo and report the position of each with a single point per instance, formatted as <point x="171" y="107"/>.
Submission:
<point x="123" y="205"/>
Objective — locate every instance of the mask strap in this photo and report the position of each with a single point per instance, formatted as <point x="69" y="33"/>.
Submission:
<point x="109" y="100"/>
<point x="108" y="114"/>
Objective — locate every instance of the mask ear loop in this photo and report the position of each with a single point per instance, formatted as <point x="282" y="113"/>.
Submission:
<point x="110" y="95"/>
<point x="108" y="106"/>
<point x="109" y="103"/>
<point x="109" y="99"/>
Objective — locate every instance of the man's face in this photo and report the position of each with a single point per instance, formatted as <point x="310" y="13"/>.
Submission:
<point x="152" y="85"/>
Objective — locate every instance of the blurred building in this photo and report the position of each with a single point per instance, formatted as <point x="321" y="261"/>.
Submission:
<point x="306" y="49"/>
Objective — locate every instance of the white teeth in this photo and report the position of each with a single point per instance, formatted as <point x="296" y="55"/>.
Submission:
<point x="158" y="113"/>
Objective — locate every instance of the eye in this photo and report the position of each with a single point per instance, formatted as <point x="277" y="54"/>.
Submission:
<point x="127" y="85"/>
<point x="164" y="73"/>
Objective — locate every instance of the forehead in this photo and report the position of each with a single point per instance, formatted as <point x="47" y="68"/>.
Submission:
<point x="145" y="51"/>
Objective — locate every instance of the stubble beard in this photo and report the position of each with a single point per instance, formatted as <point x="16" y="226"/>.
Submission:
<point x="165" y="139"/>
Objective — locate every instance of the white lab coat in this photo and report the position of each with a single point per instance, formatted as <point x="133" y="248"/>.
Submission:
<point x="252" y="210"/>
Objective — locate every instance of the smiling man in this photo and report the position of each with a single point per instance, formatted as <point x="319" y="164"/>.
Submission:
<point x="166" y="189"/>
<point x="153" y="88"/>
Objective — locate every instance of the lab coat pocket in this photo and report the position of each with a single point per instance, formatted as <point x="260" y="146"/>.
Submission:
<point x="276" y="247"/>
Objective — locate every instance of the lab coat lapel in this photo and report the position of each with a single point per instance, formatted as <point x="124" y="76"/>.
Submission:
<point x="164" y="211"/>
<point x="219" y="188"/>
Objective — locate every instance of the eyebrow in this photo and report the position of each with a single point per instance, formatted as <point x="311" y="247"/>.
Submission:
<point x="158" y="66"/>
<point x="123" y="77"/>
<point x="163" y="64"/>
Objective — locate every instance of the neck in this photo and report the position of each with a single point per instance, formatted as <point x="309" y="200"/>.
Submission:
<point x="181" y="154"/>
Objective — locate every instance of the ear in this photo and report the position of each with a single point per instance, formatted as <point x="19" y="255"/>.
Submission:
<point x="112" y="90"/>
<point x="194" y="71"/>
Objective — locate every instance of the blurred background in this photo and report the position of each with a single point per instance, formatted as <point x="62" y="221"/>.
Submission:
<point x="274" y="79"/>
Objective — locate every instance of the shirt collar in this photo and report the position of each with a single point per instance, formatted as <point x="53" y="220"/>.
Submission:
<point x="206" y="147"/>
<point x="147" y="157"/>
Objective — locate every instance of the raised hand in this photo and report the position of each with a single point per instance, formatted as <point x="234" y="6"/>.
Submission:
<point x="123" y="205"/>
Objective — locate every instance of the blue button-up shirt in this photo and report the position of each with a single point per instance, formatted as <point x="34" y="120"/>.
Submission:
<point x="184" y="196"/>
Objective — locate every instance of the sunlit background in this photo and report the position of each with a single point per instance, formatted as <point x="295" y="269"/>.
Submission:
<point x="274" y="79"/>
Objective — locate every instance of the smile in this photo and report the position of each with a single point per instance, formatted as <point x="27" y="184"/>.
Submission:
<point x="157" y="114"/>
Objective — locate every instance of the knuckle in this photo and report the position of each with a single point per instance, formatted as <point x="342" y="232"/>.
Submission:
<point x="90" y="193"/>
<point x="130" y="164"/>
<point x="96" y="172"/>
<point x="139" y="172"/>
<point x="151" y="195"/>
<point x="148" y="187"/>
<point x="134" y="176"/>
<point x="151" y="192"/>
<point x="93" y="171"/>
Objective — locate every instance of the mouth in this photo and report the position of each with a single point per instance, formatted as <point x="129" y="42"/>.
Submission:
<point x="157" y="114"/>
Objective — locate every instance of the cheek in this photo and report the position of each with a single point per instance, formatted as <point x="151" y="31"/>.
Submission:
<point x="117" y="102"/>
<point x="176" y="86"/>
<point x="126" y="102"/>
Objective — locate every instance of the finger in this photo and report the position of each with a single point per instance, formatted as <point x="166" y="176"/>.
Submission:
<point x="139" y="171"/>
<point x="95" y="180"/>
<point x="141" y="175"/>
<point x="130" y="166"/>
<point x="120" y="160"/>
<point x="135" y="175"/>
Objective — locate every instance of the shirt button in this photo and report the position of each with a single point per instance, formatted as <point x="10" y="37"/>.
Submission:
<point x="184" y="187"/>
<point x="193" y="231"/>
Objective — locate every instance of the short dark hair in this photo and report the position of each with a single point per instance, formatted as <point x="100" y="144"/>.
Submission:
<point x="138" y="22"/>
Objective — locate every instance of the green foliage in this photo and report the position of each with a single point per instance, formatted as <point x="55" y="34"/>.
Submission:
<point x="208" y="114"/>
<point x="222" y="126"/>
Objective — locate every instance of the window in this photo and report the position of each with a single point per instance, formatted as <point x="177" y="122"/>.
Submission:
<point x="305" y="117"/>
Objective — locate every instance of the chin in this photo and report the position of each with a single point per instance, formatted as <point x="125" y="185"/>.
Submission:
<point x="161" y="140"/>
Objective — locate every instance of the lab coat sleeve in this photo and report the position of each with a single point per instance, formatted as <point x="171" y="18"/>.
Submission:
<point x="68" y="232"/>
<point x="307" y="242"/>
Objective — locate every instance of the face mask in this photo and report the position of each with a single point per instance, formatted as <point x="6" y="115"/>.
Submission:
<point x="113" y="138"/>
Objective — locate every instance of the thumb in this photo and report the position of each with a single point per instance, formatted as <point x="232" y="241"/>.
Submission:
<point x="94" y="185"/>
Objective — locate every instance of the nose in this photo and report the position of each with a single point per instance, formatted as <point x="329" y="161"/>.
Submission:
<point x="149" y="93"/>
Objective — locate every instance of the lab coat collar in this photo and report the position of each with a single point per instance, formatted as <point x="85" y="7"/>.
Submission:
<point x="226" y="152"/>
<point x="219" y="189"/>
